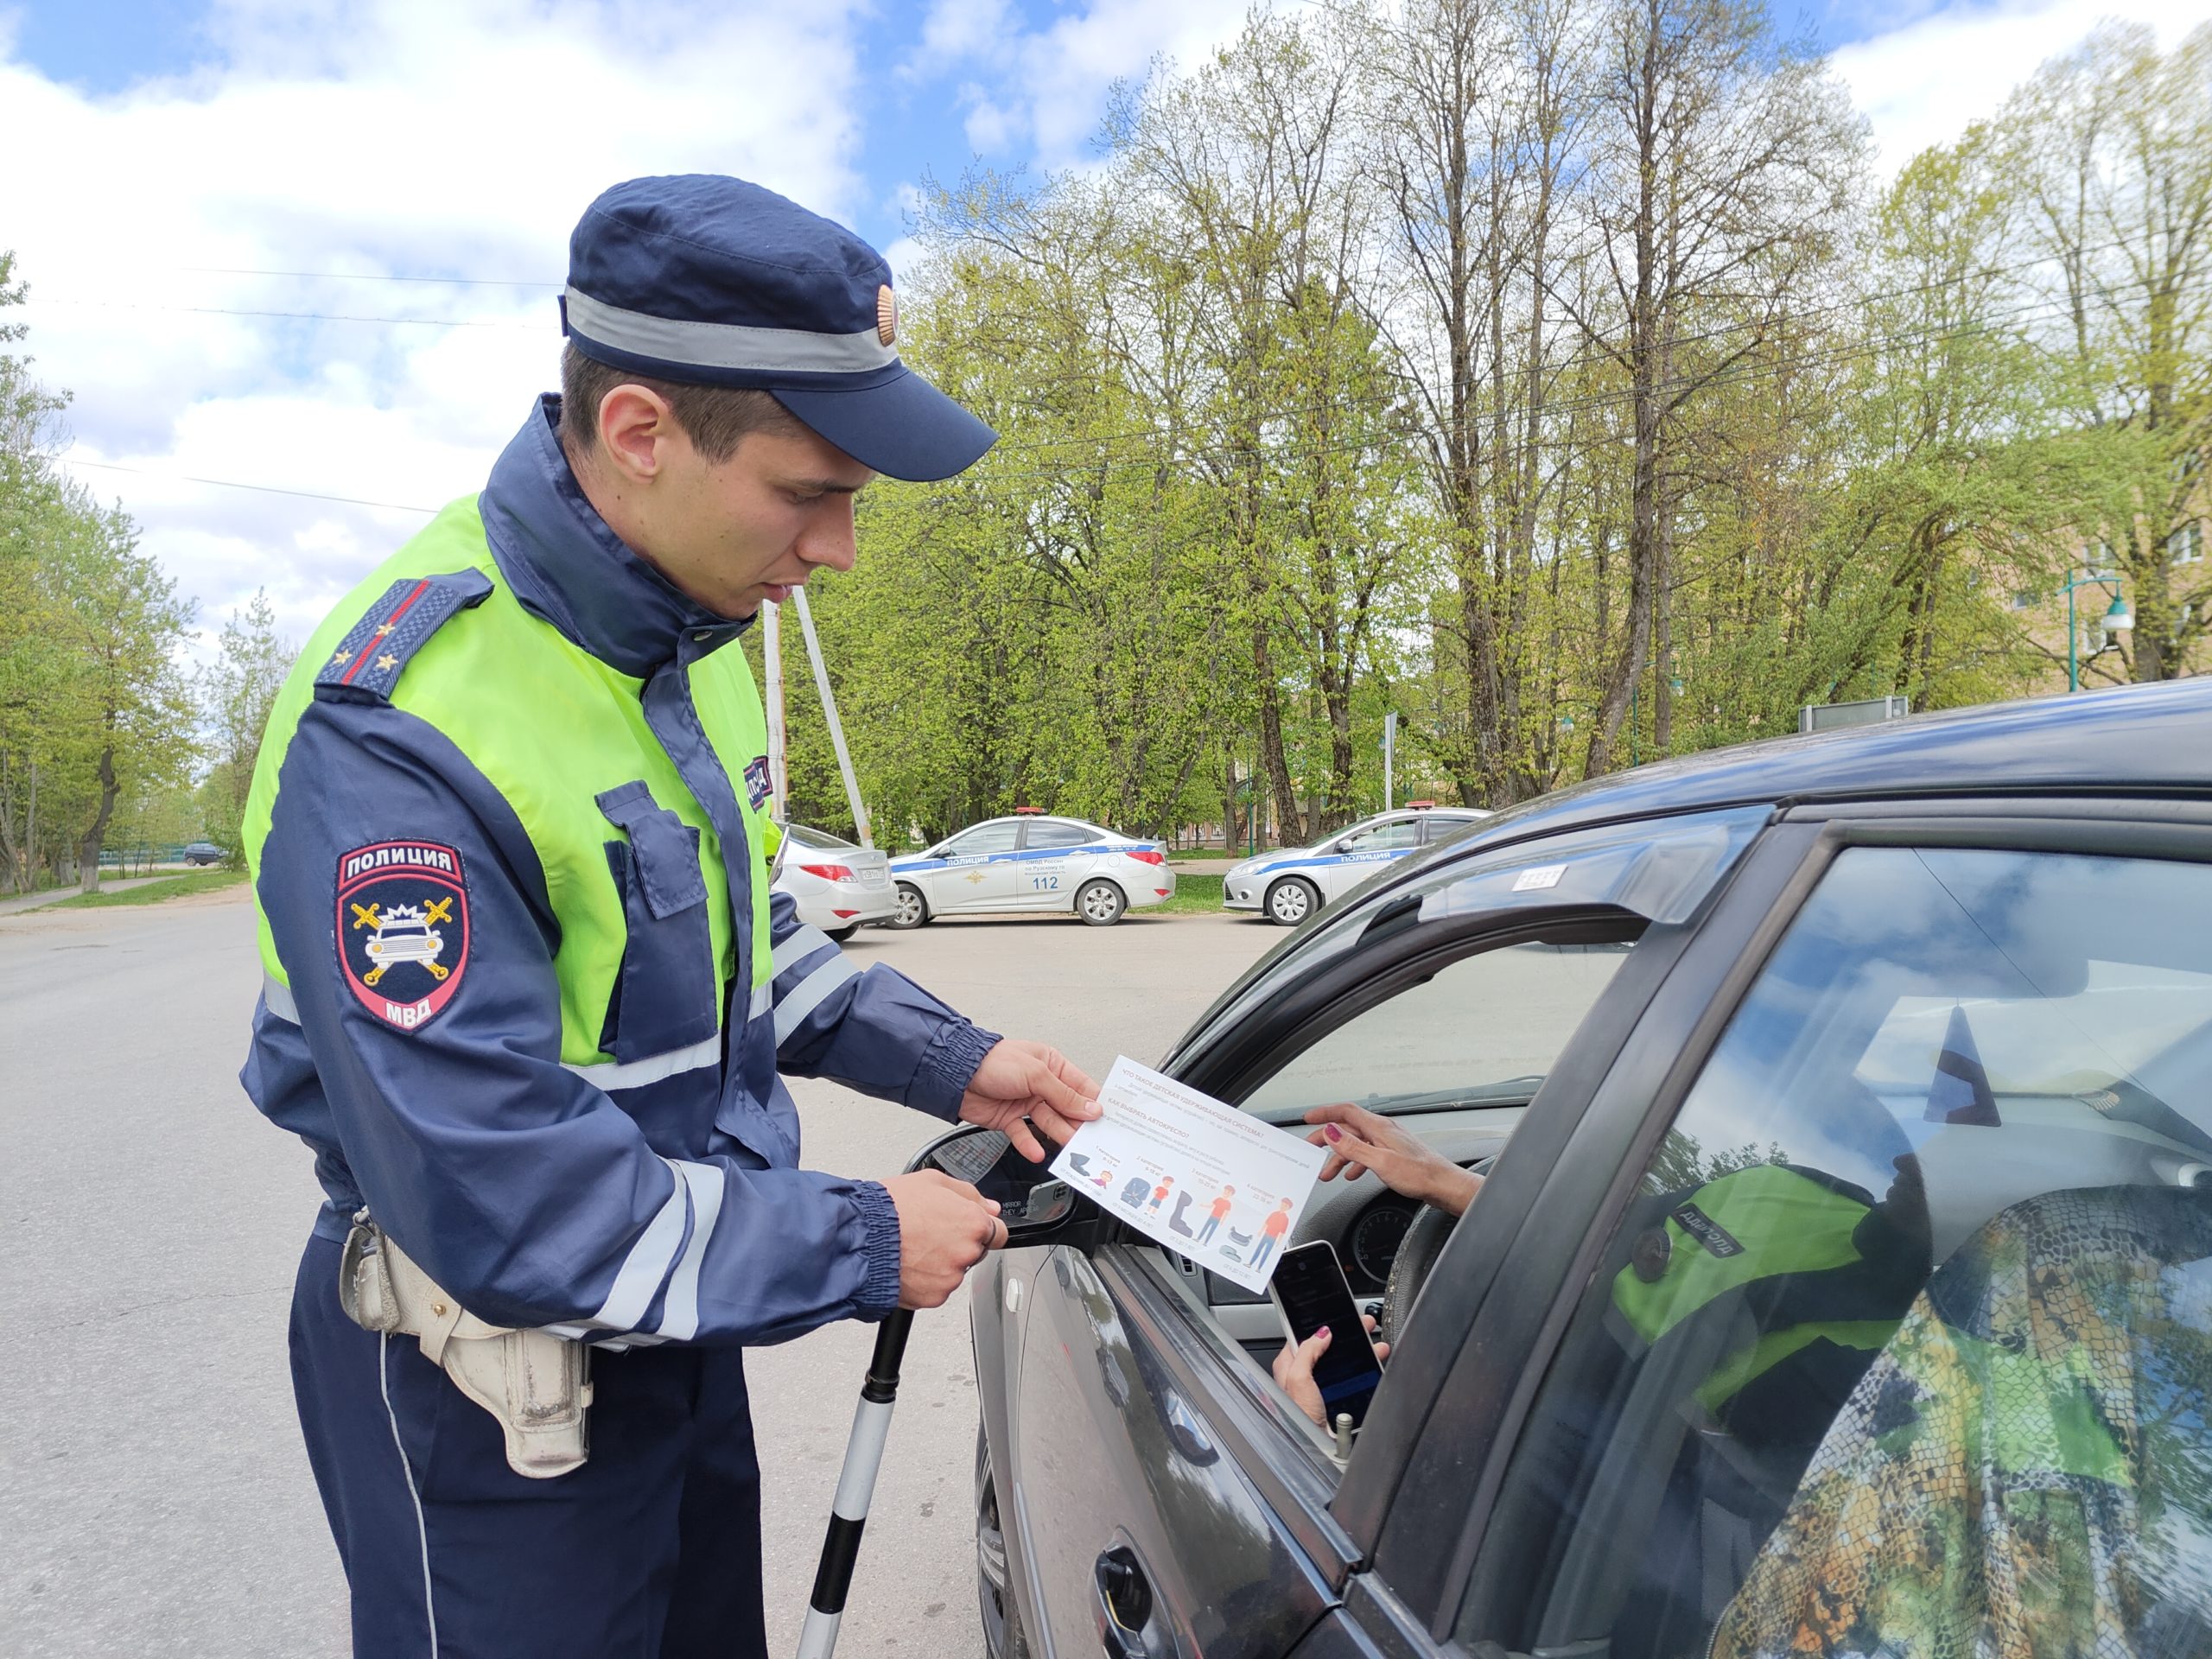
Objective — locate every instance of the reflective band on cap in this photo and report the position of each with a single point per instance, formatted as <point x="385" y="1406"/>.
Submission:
<point x="725" y="344"/>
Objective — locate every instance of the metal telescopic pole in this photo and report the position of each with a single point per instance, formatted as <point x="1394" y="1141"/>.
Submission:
<point x="841" y="1546"/>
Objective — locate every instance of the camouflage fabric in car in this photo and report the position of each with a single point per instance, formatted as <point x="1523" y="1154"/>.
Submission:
<point x="2025" y="1470"/>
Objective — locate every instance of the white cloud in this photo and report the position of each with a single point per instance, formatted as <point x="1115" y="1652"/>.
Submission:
<point x="383" y="136"/>
<point x="1047" y="87"/>
<point x="1923" y="83"/>
<point x="956" y="31"/>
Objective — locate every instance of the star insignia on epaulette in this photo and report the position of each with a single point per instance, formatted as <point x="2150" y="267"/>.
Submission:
<point x="387" y="661"/>
<point x="383" y="629"/>
<point x="342" y="657"/>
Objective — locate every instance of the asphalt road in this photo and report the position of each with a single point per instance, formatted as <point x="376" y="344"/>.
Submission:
<point x="154" y="1496"/>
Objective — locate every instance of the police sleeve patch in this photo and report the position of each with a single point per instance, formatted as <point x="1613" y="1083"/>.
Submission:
<point x="758" y="783"/>
<point x="402" y="929"/>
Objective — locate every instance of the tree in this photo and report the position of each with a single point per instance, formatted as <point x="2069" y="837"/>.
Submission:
<point x="1722" y="165"/>
<point x="2113" y="153"/>
<point x="236" y="693"/>
<point x="128" y="724"/>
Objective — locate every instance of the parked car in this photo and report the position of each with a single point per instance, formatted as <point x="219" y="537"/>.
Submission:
<point x="1288" y="885"/>
<point x="836" y="886"/>
<point x="1843" y="1279"/>
<point x="203" y="852"/>
<point x="1032" y="863"/>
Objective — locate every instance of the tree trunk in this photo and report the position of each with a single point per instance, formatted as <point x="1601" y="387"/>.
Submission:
<point x="88" y="856"/>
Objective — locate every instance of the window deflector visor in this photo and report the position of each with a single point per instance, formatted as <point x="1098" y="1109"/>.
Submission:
<point x="1661" y="871"/>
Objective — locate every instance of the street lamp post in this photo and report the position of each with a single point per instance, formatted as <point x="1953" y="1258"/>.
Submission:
<point x="2117" y="620"/>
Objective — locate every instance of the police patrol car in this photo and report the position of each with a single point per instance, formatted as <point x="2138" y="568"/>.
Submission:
<point x="1290" y="885"/>
<point x="1031" y="862"/>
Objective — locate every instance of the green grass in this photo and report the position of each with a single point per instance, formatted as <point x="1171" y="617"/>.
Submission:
<point x="175" y="887"/>
<point x="1194" y="895"/>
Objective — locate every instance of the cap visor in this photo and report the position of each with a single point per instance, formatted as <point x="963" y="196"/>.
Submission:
<point x="903" y="428"/>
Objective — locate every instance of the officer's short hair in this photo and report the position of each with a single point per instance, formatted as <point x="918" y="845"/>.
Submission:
<point x="716" y="417"/>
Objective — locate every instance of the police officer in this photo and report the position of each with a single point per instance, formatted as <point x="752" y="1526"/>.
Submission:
<point x="528" y="993"/>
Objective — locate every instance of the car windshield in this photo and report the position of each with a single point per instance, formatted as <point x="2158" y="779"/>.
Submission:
<point x="1484" y="1030"/>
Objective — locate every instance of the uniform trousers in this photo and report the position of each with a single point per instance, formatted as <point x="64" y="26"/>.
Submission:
<point x="651" y="1550"/>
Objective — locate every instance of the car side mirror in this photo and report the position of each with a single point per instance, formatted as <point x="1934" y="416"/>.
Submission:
<point x="1032" y="1202"/>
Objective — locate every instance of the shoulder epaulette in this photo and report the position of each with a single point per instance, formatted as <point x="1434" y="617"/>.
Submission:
<point x="370" y="659"/>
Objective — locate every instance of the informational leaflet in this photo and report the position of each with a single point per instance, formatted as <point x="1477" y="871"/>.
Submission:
<point x="1206" y="1180"/>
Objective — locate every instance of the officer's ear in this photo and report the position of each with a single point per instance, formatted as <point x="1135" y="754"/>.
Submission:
<point x="637" y="432"/>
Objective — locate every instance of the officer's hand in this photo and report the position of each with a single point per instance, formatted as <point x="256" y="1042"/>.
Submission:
<point x="1294" y="1364"/>
<point x="1019" y="1080"/>
<point x="1358" y="1141"/>
<point x="945" y="1227"/>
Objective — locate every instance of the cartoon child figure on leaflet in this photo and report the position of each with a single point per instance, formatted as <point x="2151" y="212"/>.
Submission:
<point x="1224" y="1202"/>
<point x="1271" y="1231"/>
<point x="1160" y="1194"/>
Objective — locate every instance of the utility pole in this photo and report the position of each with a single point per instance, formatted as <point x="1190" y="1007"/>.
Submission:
<point x="771" y="661"/>
<point x="837" y="726"/>
<point x="1390" y="755"/>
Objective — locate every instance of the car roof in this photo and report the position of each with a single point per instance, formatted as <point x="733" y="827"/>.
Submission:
<point x="2143" y="740"/>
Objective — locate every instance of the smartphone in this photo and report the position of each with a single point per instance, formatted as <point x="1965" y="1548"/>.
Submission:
<point x="1310" y="1290"/>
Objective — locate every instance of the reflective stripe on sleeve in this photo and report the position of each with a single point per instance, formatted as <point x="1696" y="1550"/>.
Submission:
<point x="610" y="1075"/>
<point x="802" y="943"/>
<point x="278" y="997"/>
<point x="762" y="999"/>
<point x="649" y="1260"/>
<point x="679" y="1319"/>
<point x="807" y="995"/>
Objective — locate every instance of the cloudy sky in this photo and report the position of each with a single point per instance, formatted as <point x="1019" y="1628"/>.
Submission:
<point x="312" y="245"/>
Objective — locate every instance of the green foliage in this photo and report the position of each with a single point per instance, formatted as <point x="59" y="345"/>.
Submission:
<point x="1368" y="371"/>
<point x="95" y="711"/>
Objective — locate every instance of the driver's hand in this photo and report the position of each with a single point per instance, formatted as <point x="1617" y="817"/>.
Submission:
<point x="1294" y="1369"/>
<point x="1358" y="1141"/>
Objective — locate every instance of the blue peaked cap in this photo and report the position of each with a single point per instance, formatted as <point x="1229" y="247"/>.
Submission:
<point x="711" y="281"/>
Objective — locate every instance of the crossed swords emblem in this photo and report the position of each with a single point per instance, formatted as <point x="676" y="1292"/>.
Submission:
<point x="440" y="910"/>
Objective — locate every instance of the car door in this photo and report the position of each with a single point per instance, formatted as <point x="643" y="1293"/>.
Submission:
<point x="1359" y="855"/>
<point x="1052" y="865"/>
<point x="1858" y="1305"/>
<point x="979" y="868"/>
<point x="1161" y="1495"/>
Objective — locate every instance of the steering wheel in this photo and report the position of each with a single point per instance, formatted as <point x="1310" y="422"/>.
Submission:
<point x="1409" y="1270"/>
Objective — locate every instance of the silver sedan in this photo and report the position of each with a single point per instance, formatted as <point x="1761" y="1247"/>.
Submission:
<point x="1032" y="863"/>
<point x="836" y="886"/>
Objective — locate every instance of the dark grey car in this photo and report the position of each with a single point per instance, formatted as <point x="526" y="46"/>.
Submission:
<point x="1844" y="1277"/>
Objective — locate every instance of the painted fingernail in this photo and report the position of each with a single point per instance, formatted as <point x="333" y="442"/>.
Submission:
<point x="1333" y="1133"/>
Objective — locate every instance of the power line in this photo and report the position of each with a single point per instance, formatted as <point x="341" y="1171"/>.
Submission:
<point x="263" y="489"/>
<point x="297" y="316"/>
<point x="363" y="276"/>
